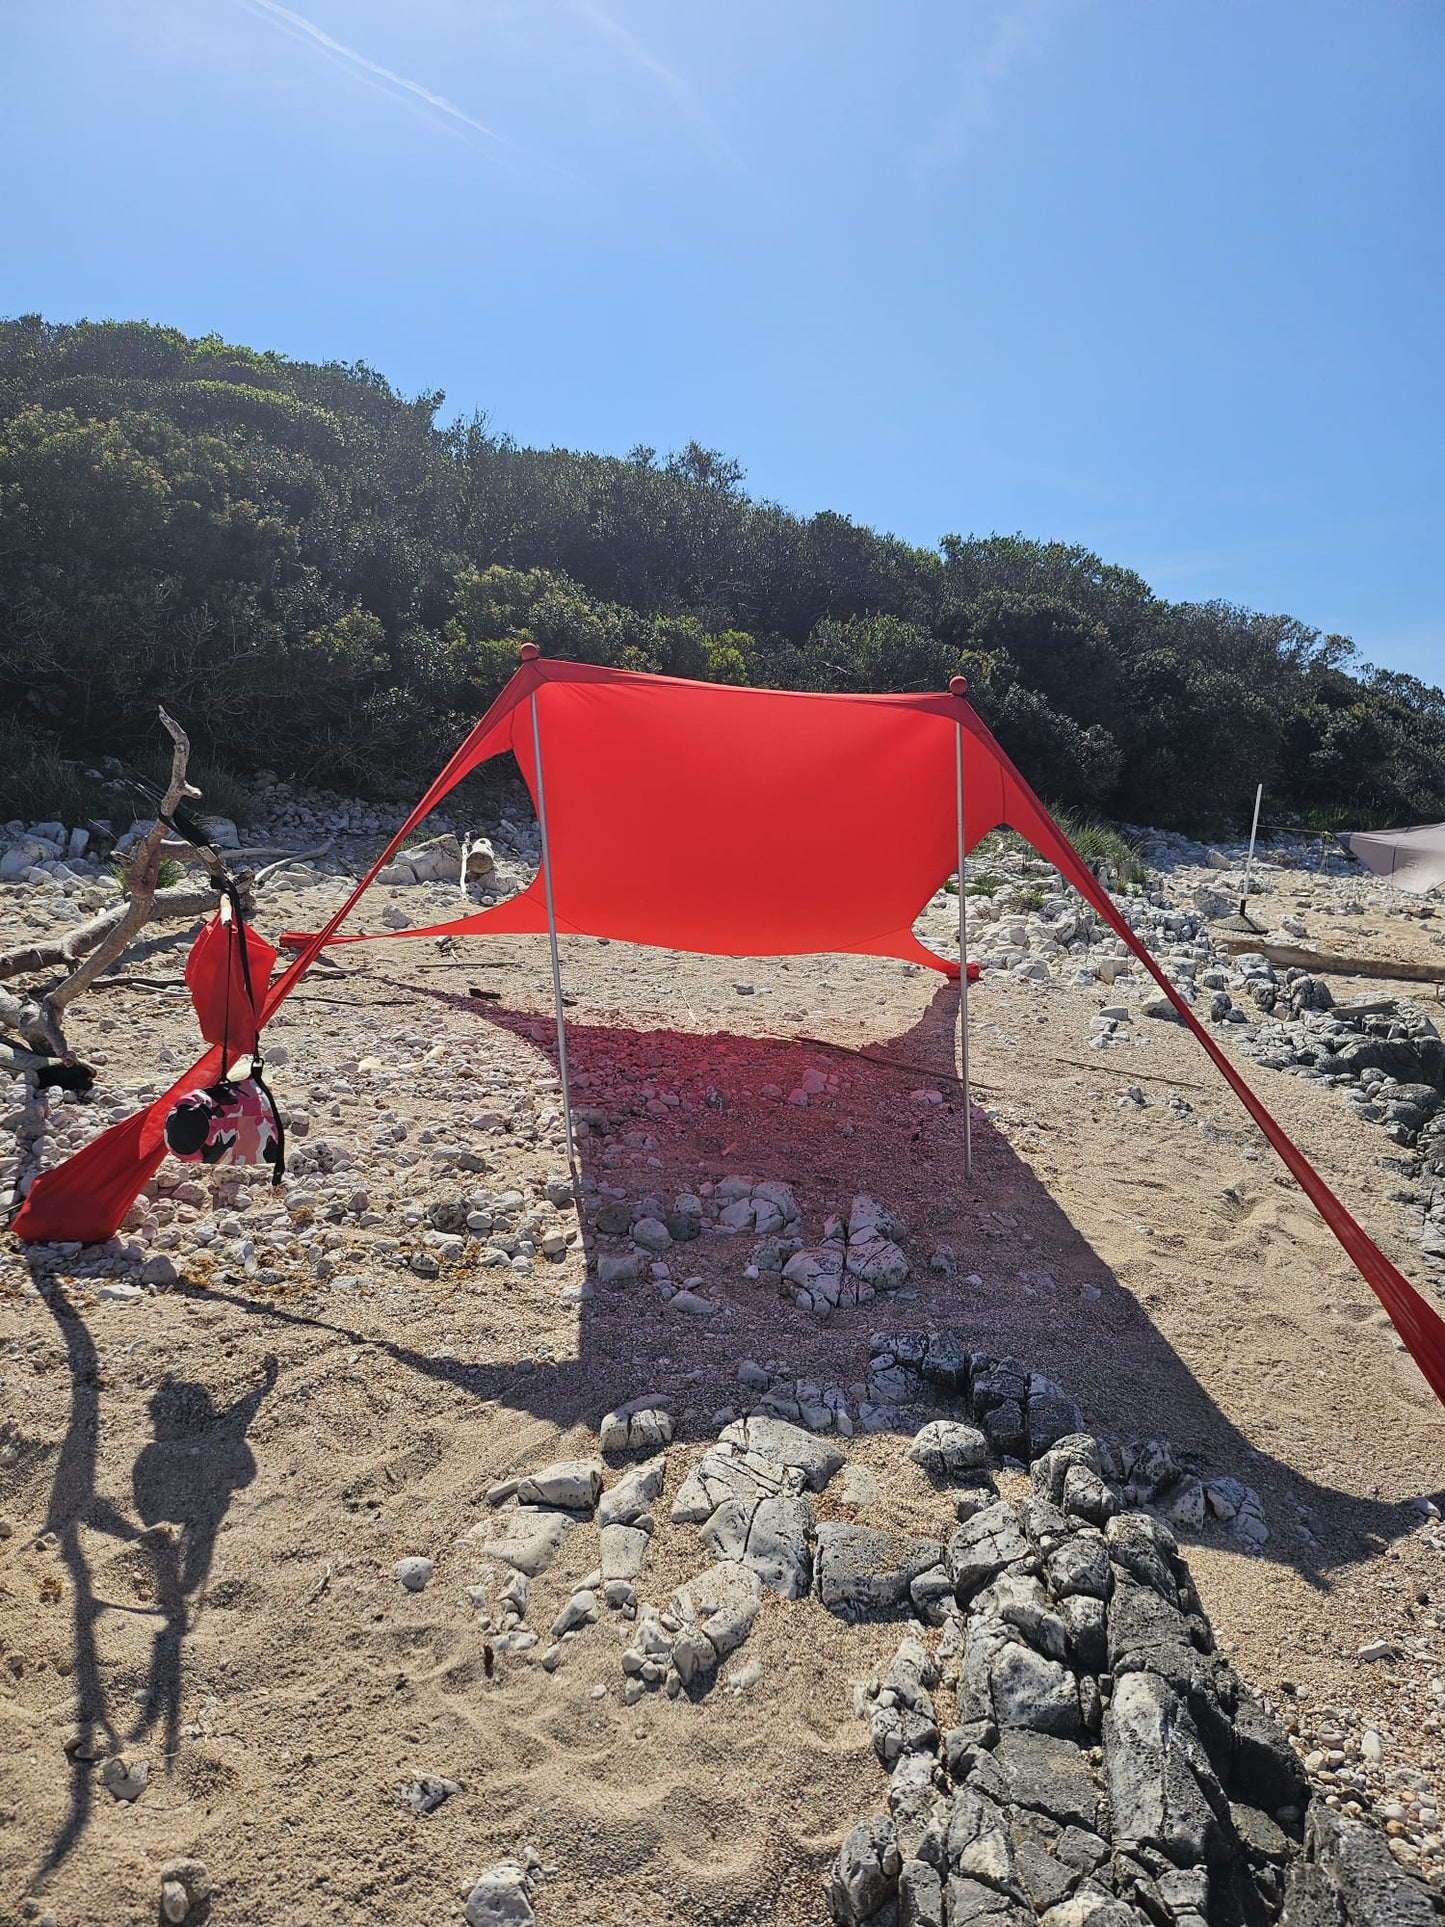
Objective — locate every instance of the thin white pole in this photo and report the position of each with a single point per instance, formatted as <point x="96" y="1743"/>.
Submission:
<point x="1249" y="860"/>
<point x="552" y="938"/>
<point x="963" y="959"/>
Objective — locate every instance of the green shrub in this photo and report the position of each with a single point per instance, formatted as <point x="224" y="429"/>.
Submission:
<point x="318" y="579"/>
<point x="39" y="783"/>
<point x="1099" y="843"/>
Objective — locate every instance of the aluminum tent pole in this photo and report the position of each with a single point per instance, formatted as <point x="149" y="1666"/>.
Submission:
<point x="552" y="939"/>
<point x="1249" y="860"/>
<point x="963" y="957"/>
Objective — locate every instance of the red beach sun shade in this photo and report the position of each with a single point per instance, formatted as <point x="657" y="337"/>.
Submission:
<point x="736" y="822"/>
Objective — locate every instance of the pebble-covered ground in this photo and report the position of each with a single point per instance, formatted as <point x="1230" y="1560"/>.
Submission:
<point x="222" y="1433"/>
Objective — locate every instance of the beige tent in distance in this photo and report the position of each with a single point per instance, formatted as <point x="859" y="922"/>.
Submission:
<point x="1412" y="859"/>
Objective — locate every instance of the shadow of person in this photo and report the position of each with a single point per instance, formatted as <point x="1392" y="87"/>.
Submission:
<point x="72" y="1502"/>
<point x="183" y="1482"/>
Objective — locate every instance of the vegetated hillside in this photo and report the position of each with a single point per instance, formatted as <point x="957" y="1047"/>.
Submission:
<point x="321" y="579"/>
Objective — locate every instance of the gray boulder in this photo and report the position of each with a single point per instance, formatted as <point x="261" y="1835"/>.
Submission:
<point x="914" y="1806"/>
<point x="870" y="1571"/>
<point x="528" y="1539"/>
<point x="1030" y="1691"/>
<point x="770" y="1536"/>
<point x="633" y="1495"/>
<point x="1085" y="1620"/>
<point x="978" y="1844"/>
<point x="499" y="1898"/>
<point x="1049" y="1776"/>
<point x="1348" y="1877"/>
<point x="641" y="1426"/>
<point x="1046" y="1879"/>
<point x="1163" y="1791"/>
<point x="574" y="1484"/>
<point x="947" y="1449"/>
<point x="1093" y="1909"/>
<point x="728" y="1473"/>
<point x="971" y="1902"/>
<point x="920" y="1894"/>
<point x="1146" y="1549"/>
<point x="865" y="1878"/>
<point x="1088" y="1495"/>
<point x="1018" y="1599"/>
<point x="724" y="1601"/>
<point x="1080" y="1565"/>
<point x="790" y="1445"/>
<point x="623" y="1550"/>
<point x="984" y="1546"/>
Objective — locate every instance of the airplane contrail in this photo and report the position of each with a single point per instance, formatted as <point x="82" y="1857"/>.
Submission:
<point x="297" y="23"/>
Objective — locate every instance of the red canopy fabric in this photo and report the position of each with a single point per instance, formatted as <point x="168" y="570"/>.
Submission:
<point x="217" y="983"/>
<point x="737" y="822"/>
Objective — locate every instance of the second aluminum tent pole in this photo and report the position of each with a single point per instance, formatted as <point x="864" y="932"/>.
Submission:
<point x="963" y="959"/>
<point x="552" y="938"/>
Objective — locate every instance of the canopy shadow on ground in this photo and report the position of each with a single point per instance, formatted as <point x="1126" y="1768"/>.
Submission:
<point x="1106" y="1350"/>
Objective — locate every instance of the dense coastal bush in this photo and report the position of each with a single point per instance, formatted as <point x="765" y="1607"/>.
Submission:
<point x="323" y="580"/>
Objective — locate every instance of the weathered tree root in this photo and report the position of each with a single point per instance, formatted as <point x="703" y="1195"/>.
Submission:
<point x="93" y="947"/>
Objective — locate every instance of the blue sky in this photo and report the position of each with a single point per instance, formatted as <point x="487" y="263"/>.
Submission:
<point x="1159" y="276"/>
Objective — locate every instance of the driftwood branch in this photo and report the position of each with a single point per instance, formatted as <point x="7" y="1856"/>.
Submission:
<point x="167" y="906"/>
<point x="142" y="876"/>
<point x="61" y="952"/>
<point x="290" y="857"/>
<point x="91" y="948"/>
<point x="188" y="853"/>
<point x="24" y="1017"/>
<point x="46" y="1070"/>
<point x="1299" y="956"/>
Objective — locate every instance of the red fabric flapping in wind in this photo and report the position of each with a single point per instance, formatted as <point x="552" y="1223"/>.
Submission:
<point x="217" y="983"/>
<point x="736" y="822"/>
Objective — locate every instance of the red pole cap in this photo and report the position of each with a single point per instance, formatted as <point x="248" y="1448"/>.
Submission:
<point x="958" y="685"/>
<point x="529" y="652"/>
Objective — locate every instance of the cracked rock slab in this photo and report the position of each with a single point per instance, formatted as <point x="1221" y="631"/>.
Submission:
<point x="639" y="1428"/>
<point x="981" y="1549"/>
<point x="634" y="1494"/>
<point x="730" y="1474"/>
<point x="623" y="1550"/>
<point x="1050" y="1776"/>
<point x="770" y="1536"/>
<point x="790" y="1445"/>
